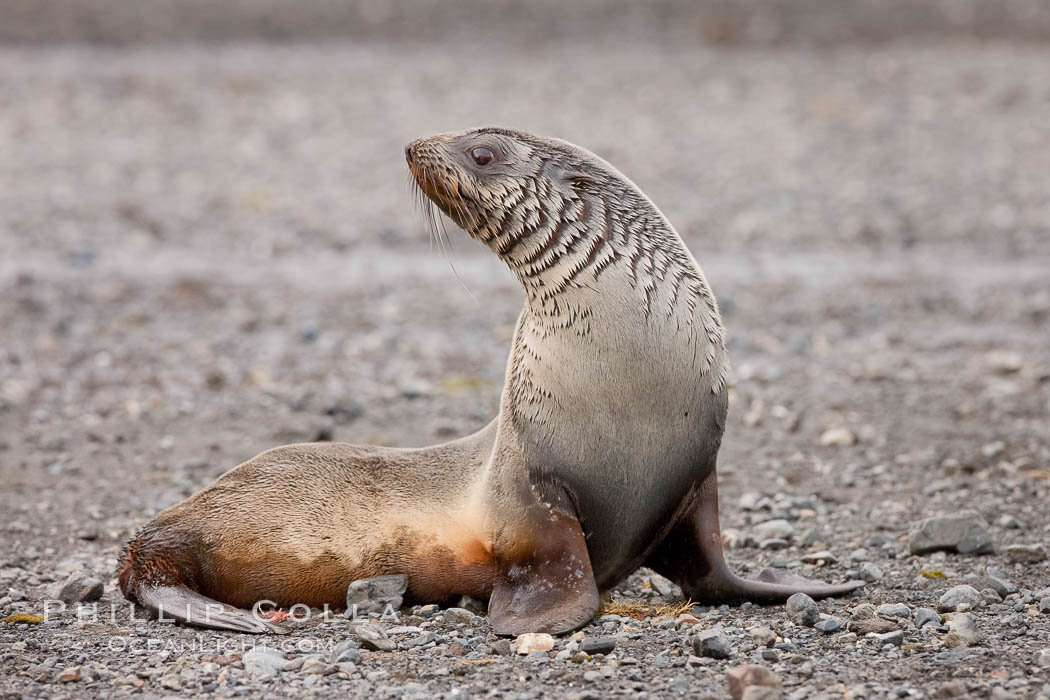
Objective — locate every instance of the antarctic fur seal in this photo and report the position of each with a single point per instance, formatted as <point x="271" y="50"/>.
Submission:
<point x="602" y="458"/>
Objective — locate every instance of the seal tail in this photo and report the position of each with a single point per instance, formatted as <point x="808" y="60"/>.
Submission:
<point x="162" y="578"/>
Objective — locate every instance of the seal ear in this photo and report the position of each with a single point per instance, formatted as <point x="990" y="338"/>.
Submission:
<point x="547" y="584"/>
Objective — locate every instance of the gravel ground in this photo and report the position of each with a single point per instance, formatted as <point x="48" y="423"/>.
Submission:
<point x="205" y="252"/>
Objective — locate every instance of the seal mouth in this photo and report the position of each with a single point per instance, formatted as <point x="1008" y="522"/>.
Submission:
<point x="435" y="181"/>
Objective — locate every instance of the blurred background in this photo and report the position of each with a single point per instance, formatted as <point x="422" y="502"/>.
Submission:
<point x="208" y="244"/>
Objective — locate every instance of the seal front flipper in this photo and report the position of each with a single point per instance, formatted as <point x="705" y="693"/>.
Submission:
<point x="691" y="556"/>
<point x="546" y="583"/>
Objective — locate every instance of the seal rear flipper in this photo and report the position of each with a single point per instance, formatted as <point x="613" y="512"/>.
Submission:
<point x="180" y="603"/>
<point x="550" y="586"/>
<point x="691" y="556"/>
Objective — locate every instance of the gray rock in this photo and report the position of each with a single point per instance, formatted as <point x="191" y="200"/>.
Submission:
<point x="428" y="611"/>
<point x="78" y="588"/>
<point x="1025" y="553"/>
<point x="829" y="626"/>
<point x="893" y="610"/>
<point x="712" y="644"/>
<point x="997" y="584"/>
<point x="1044" y="605"/>
<point x="773" y="530"/>
<point x="926" y="616"/>
<point x="421" y="640"/>
<point x="773" y="544"/>
<point x="264" y="662"/>
<point x="802" y="610"/>
<point x="502" y="647"/>
<point x="1009" y="522"/>
<point x="458" y="616"/>
<point x="661" y="585"/>
<point x="538" y="657"/>
<point x="962" y="629"/>
<point x="313" y="665"/>
<point x="965" y="532"/>
<point x="960" y="595"/>
<point x="1042" y="658"/>
<point x="895" y="638"/>
<point x="345" y="652"/>
<point x="763" y="636"/>
<point x="598" y="645"/>
<point x="373" y="637"/>
<point x="991" y="596"/>
<point x="370" y="595"/>
<point x="870" y="573"/>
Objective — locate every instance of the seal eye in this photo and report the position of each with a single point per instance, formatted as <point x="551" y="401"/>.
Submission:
<point x="482" y="155"/>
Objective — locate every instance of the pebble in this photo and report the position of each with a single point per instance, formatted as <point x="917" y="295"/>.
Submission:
<point x="78" y="588"/>
<point x="538" y="657"/>
<point x="264" y="662"/>
<point x="819" y="558"/>
<point x="763" y="636"/>
<point x="1009" y="522"/>
<point x="802" y="610"/>
<point x="926" y="616"/>
<point x="873" y="625"/>
<point x="1003" y="588"/>
<point x="740" y="678"/>
<point x="1042" y="658"/>
<point x="373" y="637"/>
<point x="598" y="645"/>
<point x="421" y="640"/>
<point x="1025" y="553"/>
<point x="870" y="573"/>
<point x="375" y="594"/>
<point x="458" y="616"/>
<point x="965" y="532"/>
<point x="502" y="647"/>
<point x="777" y="529"/>
<point x="1044" y="605"/>
<point x="345" y="652"/>
<point x="895" y="638"/>
<point x="829" y="626"/>
<point x="893" y="610"/>
<point x="990" y="596"/>
<point x="770" y="655"/>
<point x="533" y="641"/>
<point x="69" y="675"/>
<point x="838" y="437"/>
<point x="962" y="629"/>
<point x="712" y="644"/>
<point x="960" y="595"/>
